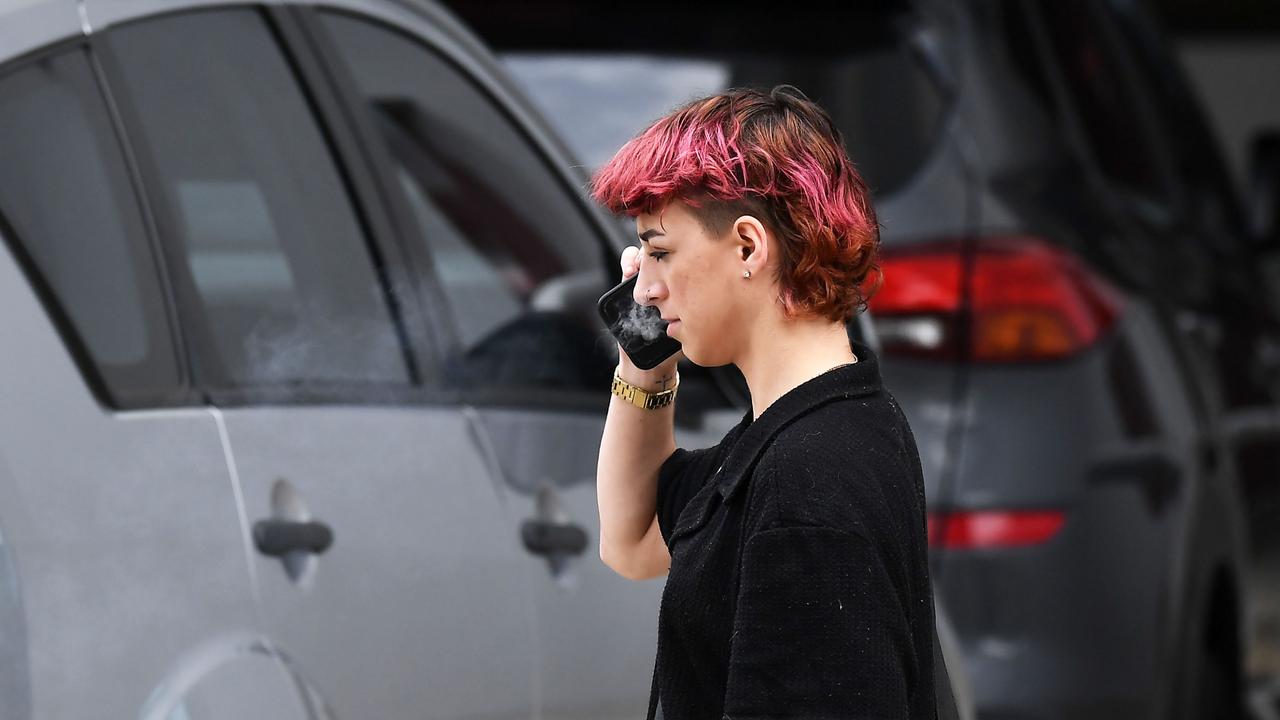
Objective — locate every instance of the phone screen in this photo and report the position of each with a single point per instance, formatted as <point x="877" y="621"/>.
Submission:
<point x="640" y="329"/>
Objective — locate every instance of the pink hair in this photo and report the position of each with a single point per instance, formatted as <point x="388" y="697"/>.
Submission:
<point x="777" y="156"/>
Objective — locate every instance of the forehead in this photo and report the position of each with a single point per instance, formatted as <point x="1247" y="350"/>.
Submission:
<point x="673" y="219"/>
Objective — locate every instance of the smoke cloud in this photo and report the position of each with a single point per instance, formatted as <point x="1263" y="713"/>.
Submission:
<point x="642" y="321"/>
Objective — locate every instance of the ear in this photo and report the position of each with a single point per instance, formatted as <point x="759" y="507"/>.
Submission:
<point x="752" y="243"/>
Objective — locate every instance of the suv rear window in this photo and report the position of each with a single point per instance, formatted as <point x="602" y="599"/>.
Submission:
<point x="601" y="79"/>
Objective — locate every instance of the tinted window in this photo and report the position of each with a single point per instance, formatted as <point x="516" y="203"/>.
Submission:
<point x="1106" y="103"/>
<point x="511" y="247"/>
<point x="66" y="194"/>
<point x="275" y="262"/>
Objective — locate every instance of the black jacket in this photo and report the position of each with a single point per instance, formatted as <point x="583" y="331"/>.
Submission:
<point x="799" y="582"/>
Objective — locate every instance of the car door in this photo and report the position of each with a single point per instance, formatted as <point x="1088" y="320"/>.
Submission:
<point x="1247" y="338"/>
<point x="386" y="572"/>
<point x="1146" y="149"/>
<point x="124" y="589"/>
<point x="518" y="263"/>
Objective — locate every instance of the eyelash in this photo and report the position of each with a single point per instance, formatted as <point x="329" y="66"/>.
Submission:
<point x="657" y="255"/>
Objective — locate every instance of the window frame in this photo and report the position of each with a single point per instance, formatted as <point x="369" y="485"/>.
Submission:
<point x="182" y="393"/>
<point x="418" y="254"/>
<point x="355" y="178"/>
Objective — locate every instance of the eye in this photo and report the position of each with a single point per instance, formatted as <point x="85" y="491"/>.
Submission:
<point x="657" y="255"/>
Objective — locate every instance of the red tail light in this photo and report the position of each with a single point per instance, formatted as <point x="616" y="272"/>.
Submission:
<point x="1031" y="300"/>
<point x="993" y="528"/>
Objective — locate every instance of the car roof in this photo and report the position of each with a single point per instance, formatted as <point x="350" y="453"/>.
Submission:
<point x="28" y="25"/>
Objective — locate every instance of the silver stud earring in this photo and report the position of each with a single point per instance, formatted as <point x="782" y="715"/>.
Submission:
<point x="746" y="273"/>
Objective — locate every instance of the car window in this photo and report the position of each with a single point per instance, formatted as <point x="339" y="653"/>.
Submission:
<point x="513" y="251"/>
<point x="274" y="259"/>
<point x="1105" y="101"/>
<point x="886" y="108"/>
<point x="1192" y="146"/>
<point x="601" y="84"/>
<point x="69" y="207"/>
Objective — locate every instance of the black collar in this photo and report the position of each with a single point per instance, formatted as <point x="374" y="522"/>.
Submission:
<point x="753" y="436"/>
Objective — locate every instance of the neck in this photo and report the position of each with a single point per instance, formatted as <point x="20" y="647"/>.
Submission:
<point x="784" y="354"/>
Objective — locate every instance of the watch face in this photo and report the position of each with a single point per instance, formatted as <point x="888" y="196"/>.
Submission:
<point x="639" y="329"/>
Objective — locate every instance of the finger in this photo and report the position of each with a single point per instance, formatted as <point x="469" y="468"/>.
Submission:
<point x="630" y="261"/>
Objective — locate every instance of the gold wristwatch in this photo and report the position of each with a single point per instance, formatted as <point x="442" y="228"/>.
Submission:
<point x="642" y="398"/>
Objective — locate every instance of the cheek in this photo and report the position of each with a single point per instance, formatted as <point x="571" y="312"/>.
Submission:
<point x="708" y="314"/>
<point x="682" y="289"/>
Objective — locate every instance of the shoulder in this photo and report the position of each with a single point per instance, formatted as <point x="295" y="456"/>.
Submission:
<point x="701" y="462"/>
<point x="850" y="465"/>
<point x="864" y="435"/>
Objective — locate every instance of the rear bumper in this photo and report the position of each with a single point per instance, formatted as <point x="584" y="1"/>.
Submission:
<point x="1073" y="627"/>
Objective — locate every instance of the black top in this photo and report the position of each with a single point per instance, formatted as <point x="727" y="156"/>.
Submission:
<point x="799" y="582"/>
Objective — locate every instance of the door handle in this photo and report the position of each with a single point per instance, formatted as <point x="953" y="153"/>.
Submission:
<point x="543" y="537"/>
<point x="1150" y="466"/>
<point x="278" y="538"/>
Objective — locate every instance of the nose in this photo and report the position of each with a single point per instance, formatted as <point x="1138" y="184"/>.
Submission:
<point x="648" y="287"/>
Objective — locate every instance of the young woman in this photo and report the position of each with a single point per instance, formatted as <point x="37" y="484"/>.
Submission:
<point x="795" y="550"/>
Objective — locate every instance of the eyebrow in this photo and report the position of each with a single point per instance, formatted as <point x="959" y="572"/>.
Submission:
<point x="651" y="232"/>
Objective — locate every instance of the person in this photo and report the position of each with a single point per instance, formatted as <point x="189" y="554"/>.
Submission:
<point x="796" y="549"/>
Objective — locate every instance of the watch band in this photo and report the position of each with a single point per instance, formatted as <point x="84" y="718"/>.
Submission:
<point x="642" y="398"/>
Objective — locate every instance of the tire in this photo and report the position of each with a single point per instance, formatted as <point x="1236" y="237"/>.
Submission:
<point x="1208" y="683"/>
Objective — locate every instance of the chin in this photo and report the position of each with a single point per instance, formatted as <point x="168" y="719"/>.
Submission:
<point x="702" y="358"/>
<point x="691" y="353"/>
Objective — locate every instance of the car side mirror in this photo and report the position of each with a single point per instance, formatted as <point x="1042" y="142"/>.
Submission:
<point x="1264" y="190"/>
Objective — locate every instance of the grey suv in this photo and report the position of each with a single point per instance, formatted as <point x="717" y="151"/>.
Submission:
<point x="301" y="385"/>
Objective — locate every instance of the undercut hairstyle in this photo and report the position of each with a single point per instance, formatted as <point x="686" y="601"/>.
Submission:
<point x="778" y="157"/>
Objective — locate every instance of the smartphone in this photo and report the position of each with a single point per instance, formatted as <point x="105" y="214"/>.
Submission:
<point x="640" y="329"/>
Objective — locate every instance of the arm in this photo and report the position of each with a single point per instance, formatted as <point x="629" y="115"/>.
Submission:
<point x="634" y="446"/>
<point x="819" y="630"/>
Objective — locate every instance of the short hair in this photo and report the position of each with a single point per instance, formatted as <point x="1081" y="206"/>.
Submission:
<point x="777" y="156"/>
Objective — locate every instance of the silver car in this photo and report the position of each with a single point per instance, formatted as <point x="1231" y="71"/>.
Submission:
<point x="301" y="385"/>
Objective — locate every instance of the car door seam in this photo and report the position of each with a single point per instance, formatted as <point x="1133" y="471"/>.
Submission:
<point x="233" y="473"/>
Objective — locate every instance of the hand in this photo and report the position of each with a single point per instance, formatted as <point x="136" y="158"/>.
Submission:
<point x="660" y="377"/>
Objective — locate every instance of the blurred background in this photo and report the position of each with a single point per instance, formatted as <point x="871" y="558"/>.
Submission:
<point x="303" y="383"/>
